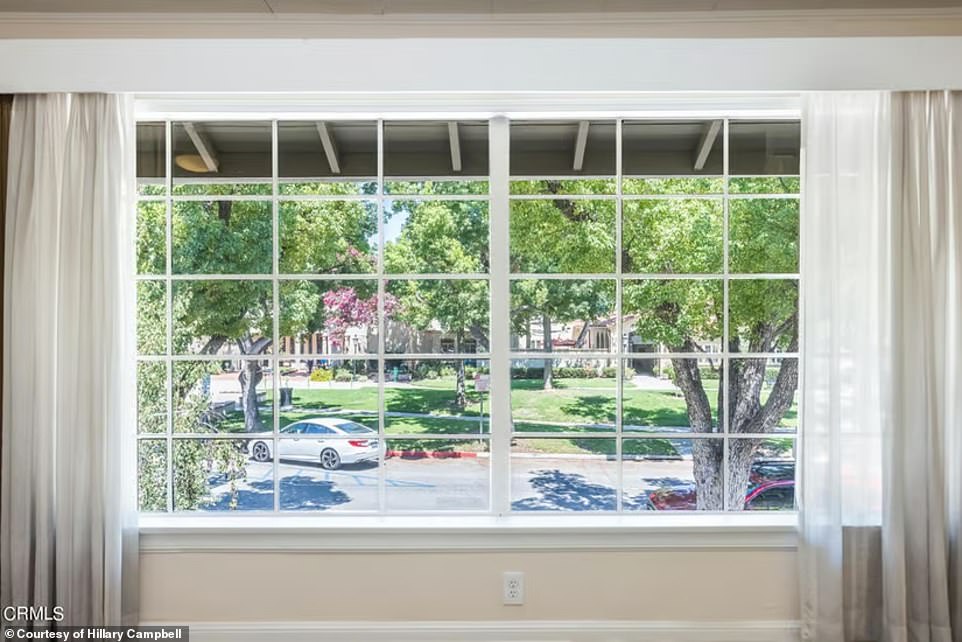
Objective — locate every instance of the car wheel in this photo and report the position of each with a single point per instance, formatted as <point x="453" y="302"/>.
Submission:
<point x="260" y="451"/>
<point x="330" y="460"/>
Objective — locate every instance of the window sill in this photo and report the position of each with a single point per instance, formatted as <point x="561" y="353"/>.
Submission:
<point x="190" y="533"/>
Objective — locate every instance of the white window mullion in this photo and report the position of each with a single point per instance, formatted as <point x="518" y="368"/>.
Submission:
<point x="498" y="148"/>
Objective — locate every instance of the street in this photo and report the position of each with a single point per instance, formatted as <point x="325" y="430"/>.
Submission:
<point x="538" y="483"/>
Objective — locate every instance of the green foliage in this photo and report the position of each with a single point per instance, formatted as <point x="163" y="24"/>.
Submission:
<point x="327" y="237"/>
<point x="763" y="235"/>
<point x="673" y="312"/>
<point x="151" y="237"/>
<point x="672" y="236"/>
<point x="152" y="475"/>
<point x="570" y="186"/>
<point x="222" y="237"/>
<point x="151" y="317"/>
<point x="563" y="235"/>
<point x="764" y="185"/>
<point x="151" y="397"/>
<point x="229" y="310"/>
<point x="673" y="185"/>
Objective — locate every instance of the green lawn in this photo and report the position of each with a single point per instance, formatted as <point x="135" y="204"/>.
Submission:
<point x="573" y="406"/>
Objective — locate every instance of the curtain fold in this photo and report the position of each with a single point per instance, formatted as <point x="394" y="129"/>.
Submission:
<point x="69" y="507"/>
<point x="844" y="353"/>
<point x="881" y="494"/>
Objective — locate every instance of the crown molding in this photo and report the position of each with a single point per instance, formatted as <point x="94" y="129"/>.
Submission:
<point x="653" y="24"/>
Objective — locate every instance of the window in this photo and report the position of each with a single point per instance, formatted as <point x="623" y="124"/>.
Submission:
<point x="315" y="323"/>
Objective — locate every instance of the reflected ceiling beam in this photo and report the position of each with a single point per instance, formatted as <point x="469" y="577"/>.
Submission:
<point x="581" y="142"/>
<point x="330" y="147"/>
<point x="205" y="149"/>
<point x="455" y="140"/>
<point x="705" y="144"/>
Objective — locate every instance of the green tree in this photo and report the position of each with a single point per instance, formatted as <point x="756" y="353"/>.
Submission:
<point x="682" y="236"/>
<point x="561" y="235"/>
<point x="442" y="237"/>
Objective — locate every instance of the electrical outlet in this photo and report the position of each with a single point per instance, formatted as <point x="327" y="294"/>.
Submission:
<point x="513" y="588"/>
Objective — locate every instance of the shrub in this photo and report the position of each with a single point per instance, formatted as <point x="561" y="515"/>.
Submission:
<point x="321" y="375"/>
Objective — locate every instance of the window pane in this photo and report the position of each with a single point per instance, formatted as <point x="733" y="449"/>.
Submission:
<point x="328" y="474"/>
<point x="223" y="317"/>
<point x="437" y="475"/>
<point x="151" y="317"/>
<point x="564" y="474"/>
<point x="223" y="396"/>
<point x="222" y="237"/>
<point x="655" y="399"/>
<point x="769" y="395"/>
<point x="437" y="316"/>
<point x="328" y="237"/>
<point x="563" y="235"/>
<point x="328" y="317"/>
<point x="437" y="187"/>
<point x="152" y="475"/>
<point x="764" y="185"/>
<point x="763" y="235"/>
<point x="151" y="396"/>
<point x="763" y="315"/>
<point x="428" y="149"/>
<point x="334" y="389"/>
<point x="672" y="474"/>
<point x="563" y="395"/>
<point x="764" y="147"/>
<point x="322" y="157"/>
<point x="563" y="148"/>
<point x="222" y="158"/>
<point x="219" y="475"/>
<point x="435" y="236"/>
<point x="672" y="236"/>
<point x="151" y="158"/>
<point x="683" y="315"/>
<point x="563" y="315"/>
<point x="151" y="237"/>
<point x="673" y="185"/>
<point x="437" y="397"/>
<point x="567" y="186"/>
<point x="765" y="469"/>
<point x="672" y="148"/>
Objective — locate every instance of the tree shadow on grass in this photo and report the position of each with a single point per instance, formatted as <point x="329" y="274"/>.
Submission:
<point x="428" y="401"/>
<point x="559" y="491"/>
<point x="597" y="408"/>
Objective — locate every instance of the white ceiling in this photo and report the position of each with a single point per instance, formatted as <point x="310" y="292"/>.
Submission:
<point x="384" y="7"/>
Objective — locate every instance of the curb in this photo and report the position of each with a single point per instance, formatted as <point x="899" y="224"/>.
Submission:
<point x="433" y="454"/>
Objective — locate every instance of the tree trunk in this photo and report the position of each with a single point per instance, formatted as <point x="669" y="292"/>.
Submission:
<point x="707" y="456"/>
<point x="741" y="453"/>
<point x="548" y="363"/>
<point x="251" y="375"/>
<point x="460" y="396"/>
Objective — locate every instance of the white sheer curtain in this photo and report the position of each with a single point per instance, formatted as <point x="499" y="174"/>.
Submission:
<point x="69" y="534"/>
<point x="882" y="452"/>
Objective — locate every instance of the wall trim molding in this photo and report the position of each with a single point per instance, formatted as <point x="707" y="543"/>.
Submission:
<point x="218" y="534"/>
<point x="495" y="631"/>
<point x="564" y="24"/>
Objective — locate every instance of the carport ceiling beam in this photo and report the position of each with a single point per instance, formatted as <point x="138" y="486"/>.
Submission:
<point x="330" y="147"/>
<point x="706" y="143"/>
<point x="203" y="146"/>
<point x="454" y="138"/>
<point x="581" y="142"/>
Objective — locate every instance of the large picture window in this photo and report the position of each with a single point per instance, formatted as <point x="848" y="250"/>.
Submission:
<point x="315" y="318"/>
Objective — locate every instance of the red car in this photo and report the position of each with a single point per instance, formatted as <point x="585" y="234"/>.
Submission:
<point x="771" y="487"/>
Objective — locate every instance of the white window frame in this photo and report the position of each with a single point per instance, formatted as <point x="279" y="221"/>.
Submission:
<point x="501" y="529"/>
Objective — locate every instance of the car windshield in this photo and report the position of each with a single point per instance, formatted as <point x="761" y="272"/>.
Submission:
<point x="353" y="428"/>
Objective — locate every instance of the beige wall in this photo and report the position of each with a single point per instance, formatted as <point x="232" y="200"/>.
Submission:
<point x="636" y="585"/>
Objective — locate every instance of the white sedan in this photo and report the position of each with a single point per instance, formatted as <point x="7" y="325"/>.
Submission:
<point x="331" y="441"/>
